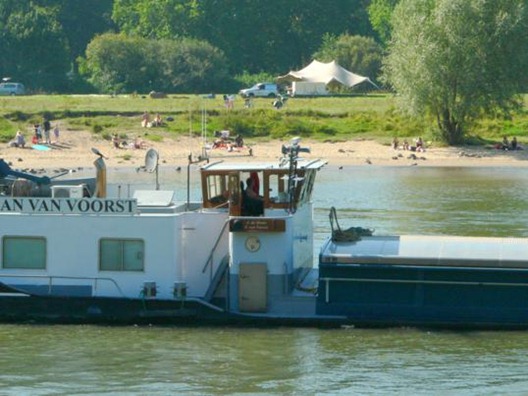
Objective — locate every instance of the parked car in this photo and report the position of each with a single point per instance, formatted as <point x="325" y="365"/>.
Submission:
<point x="11" y="88"/>
<point x="260" y="90"/>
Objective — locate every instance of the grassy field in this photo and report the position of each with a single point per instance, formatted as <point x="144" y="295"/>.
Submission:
<point x="325" y="118"/>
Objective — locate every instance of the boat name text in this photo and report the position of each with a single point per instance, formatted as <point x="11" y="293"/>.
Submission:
<point x="68" y="205"/>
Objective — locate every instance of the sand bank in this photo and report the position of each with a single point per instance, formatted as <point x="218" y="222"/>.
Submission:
<point x="73" y="150"/>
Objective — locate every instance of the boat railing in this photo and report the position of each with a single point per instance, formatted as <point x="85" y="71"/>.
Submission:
<point x="209" y="262"/>
<point x="50" y="281"/>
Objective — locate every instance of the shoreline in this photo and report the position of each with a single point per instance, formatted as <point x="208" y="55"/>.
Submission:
<point x="73" y="151"/>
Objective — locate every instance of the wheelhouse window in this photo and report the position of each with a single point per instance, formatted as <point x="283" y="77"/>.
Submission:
<point x="215" y="190"/>
<point x="24" y="252"/>
<point x="121" y="254"/>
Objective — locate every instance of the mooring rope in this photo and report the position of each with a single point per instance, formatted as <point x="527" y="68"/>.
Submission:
<point x="351" y="234"/>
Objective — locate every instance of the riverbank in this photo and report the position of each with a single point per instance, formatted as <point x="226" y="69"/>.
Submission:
<point x="73" y="150"/>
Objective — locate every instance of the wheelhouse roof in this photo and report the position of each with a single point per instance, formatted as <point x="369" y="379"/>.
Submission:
<point x="257" y="167"/>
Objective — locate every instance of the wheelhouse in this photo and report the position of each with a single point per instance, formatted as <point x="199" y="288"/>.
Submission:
<point x="280" y="187"/>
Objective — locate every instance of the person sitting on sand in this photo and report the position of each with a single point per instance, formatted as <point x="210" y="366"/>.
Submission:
<point x="139" y="143"/>
<point x="19" y="141"/>
<point x="145" y="120"/>
<point x="239" y="140"/>
<point x="157" y="120"/>
<point x="420" y="144"/>
<point x="514" y="143"/>
<point x="505" y="145"/>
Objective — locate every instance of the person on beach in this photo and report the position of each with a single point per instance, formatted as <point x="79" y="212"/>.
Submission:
<point x="139" y="143"/>
<point x="420" y="145"/>
<point x="115" y="141"/>
<point x="145" y="120"/>
<point x="505" y="145"/>
<point x="239" y="141"/>
<point x="19" y="141"/>
<point x="157" y="120"/>
<point x="56" y="132"/>
<point x="47" y="129"/>
<point x="38" y="134"/>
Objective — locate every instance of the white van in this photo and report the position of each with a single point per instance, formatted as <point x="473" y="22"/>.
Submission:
<point x="10" y="88"/>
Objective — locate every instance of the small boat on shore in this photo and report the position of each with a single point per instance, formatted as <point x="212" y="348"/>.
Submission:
<point x="242" y="255"/>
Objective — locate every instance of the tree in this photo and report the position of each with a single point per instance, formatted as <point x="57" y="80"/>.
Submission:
<point x="33" y="46"/>
<point x="458" y="59"/>
<point x="81" y="20"/>
<point x="191" y="65"/>
<point x="361" y="55"/>
<point x="380" y="14"/>
<point x="255" y="35"/>
<point x="116" y="63"/>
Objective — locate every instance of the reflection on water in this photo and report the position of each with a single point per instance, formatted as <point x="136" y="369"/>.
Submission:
<point x="419" y="200"/>
<point x="44" y="360"/>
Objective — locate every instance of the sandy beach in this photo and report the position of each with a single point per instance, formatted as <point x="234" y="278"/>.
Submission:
<point x="73" y="151"/>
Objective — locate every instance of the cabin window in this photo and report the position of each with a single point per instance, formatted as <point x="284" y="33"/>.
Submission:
<point x="121" y="254"/>
<point x="276" y="187"/>
<point x="217" y="187"/>
<point x="306" y="191"/>
<point x="24" y="253"/>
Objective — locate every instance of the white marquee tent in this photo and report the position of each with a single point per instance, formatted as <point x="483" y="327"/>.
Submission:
<point x="328" y="73"/>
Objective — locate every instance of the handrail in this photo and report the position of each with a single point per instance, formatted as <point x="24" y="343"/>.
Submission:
<point x="210" y="258"/>
<point x="51" y="277"/>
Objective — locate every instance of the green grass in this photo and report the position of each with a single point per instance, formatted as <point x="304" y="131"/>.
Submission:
<point x="325" y="118"/>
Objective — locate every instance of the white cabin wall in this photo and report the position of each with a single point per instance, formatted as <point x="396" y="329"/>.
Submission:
<point x="73" y="248"/>
<point x="303" y="237"/>
<point x="200" y="231"/>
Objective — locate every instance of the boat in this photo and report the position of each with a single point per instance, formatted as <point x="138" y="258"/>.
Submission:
<point x="72" y="252"/>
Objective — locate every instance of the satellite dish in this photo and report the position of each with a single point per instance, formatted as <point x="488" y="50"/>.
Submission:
<point x="97" y="152"/>
<point x="151" y="160"/>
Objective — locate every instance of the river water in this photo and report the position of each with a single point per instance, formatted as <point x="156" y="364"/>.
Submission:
<point x="86" y="360"/>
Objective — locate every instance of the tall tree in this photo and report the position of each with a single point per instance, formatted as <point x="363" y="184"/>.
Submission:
<point x="255" y="35"/>
<point x="458" y="59"/>
<point x="81" y="20"/>
<point x="380" y="14"/>
<point x="33" y="46"/>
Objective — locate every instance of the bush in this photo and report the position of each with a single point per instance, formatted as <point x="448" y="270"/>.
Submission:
<point x="184" y="65"/>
